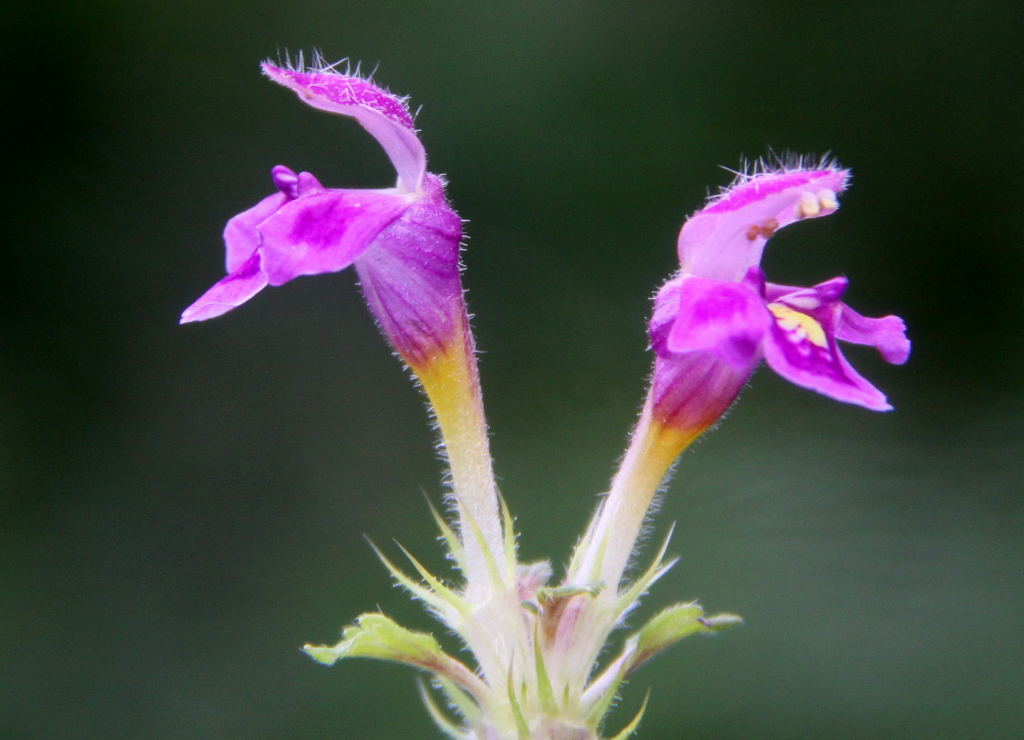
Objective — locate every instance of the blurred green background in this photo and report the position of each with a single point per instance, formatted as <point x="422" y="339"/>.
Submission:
<point x="182" y="507"/>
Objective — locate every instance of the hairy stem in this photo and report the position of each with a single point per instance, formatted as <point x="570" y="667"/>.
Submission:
<point x="612" y="535"/>
<point x="452" y="384"/>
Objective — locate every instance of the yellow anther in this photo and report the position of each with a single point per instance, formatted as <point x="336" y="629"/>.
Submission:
<point x="799" y="323"/>
<point x="828" y="199"/>
<point x="808" y="205"/>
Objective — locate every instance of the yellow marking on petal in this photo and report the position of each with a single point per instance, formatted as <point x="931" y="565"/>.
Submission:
<point x="828" y="199"/>
<point x="808" y="205"/>
<point x="794" y="321"/>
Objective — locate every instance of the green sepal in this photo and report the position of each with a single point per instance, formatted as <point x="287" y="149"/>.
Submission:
<point x="460" y="701"/>
<point x="444" y="724"/>
<point x="449" y="596"/>
<point x="572" y="571"/>
<point x="451" y="539"/>
<point x="436" y="595"/>
<point x="616" y="673"/>
<point x="522" y="728"/>
<point x="656" y="570"/>
<point x="508" y="537"/>
<point x="545" y="693"/>
<point x="493" y="571"/>
<point x="629" y="729"/>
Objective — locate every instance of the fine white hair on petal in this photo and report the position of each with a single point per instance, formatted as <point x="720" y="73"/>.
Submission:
<point x="320" y="65"/>
<point x="774" y="163"/>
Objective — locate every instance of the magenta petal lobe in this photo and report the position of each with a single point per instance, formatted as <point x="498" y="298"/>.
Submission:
<point x="286" y="181"/>
<point x="324" y="232"/>
<point x="725" y="319"/>
<point x="804" y="352"/>
<point x="241" y="237"/>
<point x="887" y="334"/>
<point x="232" y="291"/>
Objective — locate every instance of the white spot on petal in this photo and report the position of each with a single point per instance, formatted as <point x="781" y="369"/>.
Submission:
<point x="806" y="302"/>
<point x="808" y="205"/>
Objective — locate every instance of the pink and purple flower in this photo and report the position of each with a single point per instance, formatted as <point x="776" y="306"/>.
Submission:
<point x="403" y="241"/>
<point x="718" y="317"/>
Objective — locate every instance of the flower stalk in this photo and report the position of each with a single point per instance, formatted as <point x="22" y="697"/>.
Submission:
<point x="531" y="667"/>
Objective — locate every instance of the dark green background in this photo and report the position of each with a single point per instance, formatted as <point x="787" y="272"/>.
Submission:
<point x="182" y="507"/>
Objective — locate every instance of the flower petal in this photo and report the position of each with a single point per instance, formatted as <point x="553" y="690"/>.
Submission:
<point x="410" y="276"/>
<point x="240" y="236"/>
<point x="887" y="334"/>
<point x="805" y="352"/>
<point x="822" y="296"/>
<point x="232" y="291"/>
<point x="325" y="232"/>
<point x="726" y="238"/>
<point x="384" y="115"/>
<point x="725" y="319"/>
<point x="689" y="392"/>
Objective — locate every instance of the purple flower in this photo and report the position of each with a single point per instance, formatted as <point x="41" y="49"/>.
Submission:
<point x="718" y="317"/>
<point x="403" y="241"/>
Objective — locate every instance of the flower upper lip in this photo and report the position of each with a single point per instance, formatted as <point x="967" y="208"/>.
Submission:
<point x="727" y="237"/>
<point x="384" y="115"/>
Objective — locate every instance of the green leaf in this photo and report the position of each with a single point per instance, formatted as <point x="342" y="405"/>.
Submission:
<point x="670" y="626"/>
<point x="663" y="630"/>
<point x="376" y="636"/>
